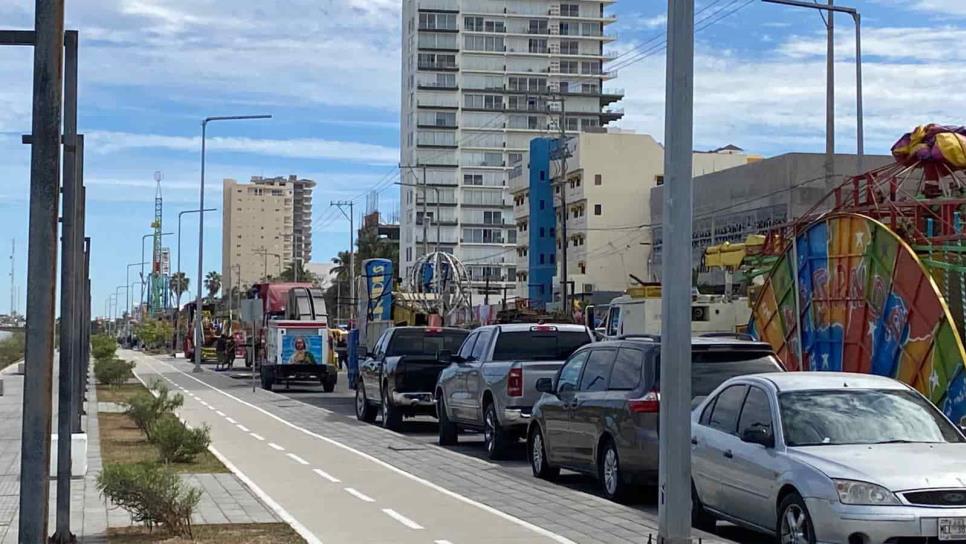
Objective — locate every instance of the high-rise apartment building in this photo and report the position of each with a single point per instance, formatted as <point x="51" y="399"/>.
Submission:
<point x="481" y="78"/>
<point x="266" y="226"/>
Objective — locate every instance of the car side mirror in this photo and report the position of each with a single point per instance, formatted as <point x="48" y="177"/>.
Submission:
<point x="545" y="385"/>
<point x="758" y="434"/>
<point x="445" y="356"/>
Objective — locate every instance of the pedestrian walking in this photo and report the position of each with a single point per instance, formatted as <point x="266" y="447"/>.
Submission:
<point x="230" y="351"/>
<point x="220" y="345"/>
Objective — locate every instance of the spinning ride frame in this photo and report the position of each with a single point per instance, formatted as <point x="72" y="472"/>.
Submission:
<point x="877" y="284"/>
<point x="444" y="276"/>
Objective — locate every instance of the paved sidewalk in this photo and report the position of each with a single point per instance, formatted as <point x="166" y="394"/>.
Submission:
<point x="88" y="513"/>
<point x="225" y="499"/>
<point x="574" y="516"/>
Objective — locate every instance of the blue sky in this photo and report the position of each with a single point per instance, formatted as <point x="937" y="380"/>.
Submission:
<point x="328" y="71"/>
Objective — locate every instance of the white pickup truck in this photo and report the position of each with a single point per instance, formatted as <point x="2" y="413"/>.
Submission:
<point x="490" y="385"/>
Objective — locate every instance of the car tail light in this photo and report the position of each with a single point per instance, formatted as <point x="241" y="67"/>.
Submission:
<point x="514" y="383"/>
<point x="648" y="404"/>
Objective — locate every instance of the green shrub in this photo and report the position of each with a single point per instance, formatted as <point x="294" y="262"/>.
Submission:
<point x="177" y="443"/>
<point x="146" y="409"/>
<point x="112" y="372"/>
<point x="153" y="494"/>
<point x="11" y="349"/>
<point x="103" y="347"/>
<point x="155" y="333"/>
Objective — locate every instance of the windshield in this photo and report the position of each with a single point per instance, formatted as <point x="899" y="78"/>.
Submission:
<point x="861" y="416"/>
<point x="709" y="369"/>
<point x="538" y="345"/>
<point x="421" y="342"/>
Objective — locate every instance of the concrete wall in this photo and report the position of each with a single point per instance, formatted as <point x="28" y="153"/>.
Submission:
<point x="733" y="203"/>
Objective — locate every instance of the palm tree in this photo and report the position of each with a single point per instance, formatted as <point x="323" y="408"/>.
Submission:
<point x="212" y="284"/>
<point x="304" y="275"/>
<point x="178" y="284"/>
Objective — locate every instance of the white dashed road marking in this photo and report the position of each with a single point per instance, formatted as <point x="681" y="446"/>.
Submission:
<point x="326" y="475"/>
<point x="275" y="446"/>
<point x="442" y="542"/>
<point x="242" y="428"/>
<point x="257" y="436"/>
<point x="401" y="518"/>
<point x="297" y="459"/>
<point x="230" y="420"/>
<point x="219" y="412"/>
<point x="358" y="495"/>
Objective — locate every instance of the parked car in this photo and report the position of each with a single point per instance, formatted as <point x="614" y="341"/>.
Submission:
<point x="491" y="383"/>
<point x="398" y="377"/>
<point x="600" y="413"/>
<point x="828" y="457"/>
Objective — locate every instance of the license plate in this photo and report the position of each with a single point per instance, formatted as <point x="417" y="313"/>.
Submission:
<point x="952" y="528"/>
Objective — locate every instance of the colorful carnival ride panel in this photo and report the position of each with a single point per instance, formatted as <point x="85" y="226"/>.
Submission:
<point x="849" y="295"/>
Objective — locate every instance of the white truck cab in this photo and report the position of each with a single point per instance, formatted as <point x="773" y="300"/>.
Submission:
<point x="639" y="313"/>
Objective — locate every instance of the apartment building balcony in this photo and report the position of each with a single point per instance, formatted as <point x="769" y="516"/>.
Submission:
<point x="611" y="114"/>
<point x="438" y="66"/>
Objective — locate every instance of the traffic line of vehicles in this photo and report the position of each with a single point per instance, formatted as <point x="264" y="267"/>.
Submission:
<point x="805" y="457"/>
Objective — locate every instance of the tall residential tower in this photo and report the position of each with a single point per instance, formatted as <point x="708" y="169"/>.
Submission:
<point x="481" y="78"/>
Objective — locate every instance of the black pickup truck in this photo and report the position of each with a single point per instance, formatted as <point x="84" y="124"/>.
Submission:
<point x="398" y="377"/>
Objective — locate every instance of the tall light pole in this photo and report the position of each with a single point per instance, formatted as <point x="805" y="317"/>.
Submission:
<point x="201" y="225"/>
<point x="674" y="465"/>
<point x="352" y="252"/>
<point x="177" y="313"/>
<point x="830" y="8"/>
<point x="127" y="277"/>
<point x="143" y="262"/>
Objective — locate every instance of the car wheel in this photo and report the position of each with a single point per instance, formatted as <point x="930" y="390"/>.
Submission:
<point x="494" y="437"/>
<point x="794" y="522"/>
<point x="364" y="411"/>
<point x="448" y="432"/>
<point x="701" y="519"/>
<point x="537" y="452"/>
<point x="609" y="472"/>
<point x="391" y="416"/>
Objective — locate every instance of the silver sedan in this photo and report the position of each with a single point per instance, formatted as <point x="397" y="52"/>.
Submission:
<point x="828" y="457"/>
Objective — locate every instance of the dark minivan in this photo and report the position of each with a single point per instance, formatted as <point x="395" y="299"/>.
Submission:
<point x="600" y="414"/>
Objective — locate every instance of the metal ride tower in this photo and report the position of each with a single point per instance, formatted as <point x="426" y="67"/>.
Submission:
<point x="157" y="285"/>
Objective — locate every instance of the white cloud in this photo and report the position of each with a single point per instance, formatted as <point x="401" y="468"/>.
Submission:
<point x="104" y="142"/>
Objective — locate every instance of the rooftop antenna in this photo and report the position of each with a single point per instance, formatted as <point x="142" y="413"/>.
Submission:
<point x="157" y="279"/>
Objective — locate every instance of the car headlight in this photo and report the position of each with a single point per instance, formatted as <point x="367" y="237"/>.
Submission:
<point x="864" y="493"/>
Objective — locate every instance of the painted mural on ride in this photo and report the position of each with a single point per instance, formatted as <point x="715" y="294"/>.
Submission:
<point x="878" y="284"/>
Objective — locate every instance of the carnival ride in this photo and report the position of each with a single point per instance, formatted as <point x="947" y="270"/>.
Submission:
<point x="873" y="278"/>
<point x="442" y="281"/>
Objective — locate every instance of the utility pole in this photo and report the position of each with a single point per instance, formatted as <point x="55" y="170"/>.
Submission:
<point x="831" y="9"/>
<point x="425" y="185"/>
<point x="562" y="153"/>
<point x="352" y="246"/>
<point x="71" y="248"/>
<point x="674" y="478"/>
<point x="45" y="156"/>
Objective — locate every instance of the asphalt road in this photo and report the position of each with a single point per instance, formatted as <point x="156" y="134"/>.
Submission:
<point x="328" y="492"/>
<point x="424" y="430"/>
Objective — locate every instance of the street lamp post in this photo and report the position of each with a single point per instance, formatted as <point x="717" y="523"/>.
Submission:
<point x="830" y="8"/>
<point x="127" y="277"/>
<point x="177" y="313"/>
<point x="201" y="225"/>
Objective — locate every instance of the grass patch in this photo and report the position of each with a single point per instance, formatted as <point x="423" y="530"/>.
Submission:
<point x="256" y="533"/>
<point x="123" y="442"/>
<point x="11" y="349"/>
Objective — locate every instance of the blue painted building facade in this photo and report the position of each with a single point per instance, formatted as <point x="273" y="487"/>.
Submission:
<point x="542" y="255"/>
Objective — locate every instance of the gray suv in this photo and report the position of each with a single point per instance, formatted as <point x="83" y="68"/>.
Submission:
<point x="599" y="415"/>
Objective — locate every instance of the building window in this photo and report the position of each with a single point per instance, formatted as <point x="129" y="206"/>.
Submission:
<point x="598" y="179"/>
<point x="598" y="209"/>
<point x="569" y="47"/>
<point x="437" y="21"/>
<point x="483" y="43"/>
<point x="569" y="67"/>
<point x="538" y="26"/>
<point x="659" y="180"/>
<point x="473" y="24"/>
<point x="538" y="45"/>
<point x="483" y="102"/>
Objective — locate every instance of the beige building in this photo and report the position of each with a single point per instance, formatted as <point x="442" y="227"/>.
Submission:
<point x="266" y="225"/>
<point x="608" y="188"/>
